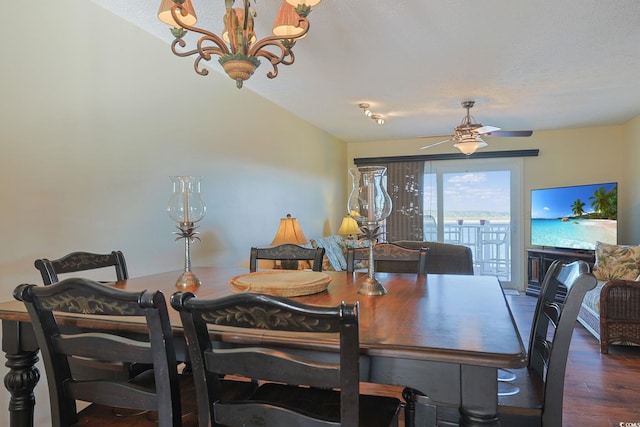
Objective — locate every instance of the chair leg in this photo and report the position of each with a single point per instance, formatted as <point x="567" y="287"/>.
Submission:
<point x="420" y="410"/>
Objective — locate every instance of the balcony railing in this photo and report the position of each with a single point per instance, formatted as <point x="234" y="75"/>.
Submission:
<point x="489" y="243"/>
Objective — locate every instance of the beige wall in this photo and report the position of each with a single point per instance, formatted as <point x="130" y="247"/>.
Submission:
<point x="95" y="114"/>
<point x="567" y="157"/>
<point x="632" y="211"/>
<point x="93" y="123"/>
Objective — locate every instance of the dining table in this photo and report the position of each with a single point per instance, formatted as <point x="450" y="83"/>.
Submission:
<point x="444" y="335"/>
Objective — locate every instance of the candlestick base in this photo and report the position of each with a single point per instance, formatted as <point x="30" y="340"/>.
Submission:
<point x="371" y="286"/>
<point x="187" y="280"/>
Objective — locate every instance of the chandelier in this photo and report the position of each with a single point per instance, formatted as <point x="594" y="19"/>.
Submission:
<point x="237" y="46"/>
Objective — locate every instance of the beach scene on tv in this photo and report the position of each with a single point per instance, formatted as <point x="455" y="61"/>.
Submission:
<point x="574" y="217"/>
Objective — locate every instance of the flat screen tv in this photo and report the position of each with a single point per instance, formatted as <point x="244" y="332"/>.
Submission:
<point x="574" y="217"/>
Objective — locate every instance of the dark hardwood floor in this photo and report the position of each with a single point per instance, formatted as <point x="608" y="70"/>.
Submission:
<point x="601" y="390"/>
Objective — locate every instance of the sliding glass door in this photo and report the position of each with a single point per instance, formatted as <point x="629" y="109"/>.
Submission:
<point x="477" y="204"/>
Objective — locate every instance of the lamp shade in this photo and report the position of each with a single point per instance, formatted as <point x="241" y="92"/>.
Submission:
<point x="286" y="23"/>
<point x="289" y="231"/>
<point x="348" y="226"/>
<point x="164" y="13"/>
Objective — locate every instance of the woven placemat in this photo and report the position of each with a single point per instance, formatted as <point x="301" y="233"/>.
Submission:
<point x="281" y="282"/>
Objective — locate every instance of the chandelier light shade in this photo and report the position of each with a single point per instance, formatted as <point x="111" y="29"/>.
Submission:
<point x="237" y="47"/>
<point x="289" y="231"/>
<point x="287" y="23"/>
<point x="188" y="14"/>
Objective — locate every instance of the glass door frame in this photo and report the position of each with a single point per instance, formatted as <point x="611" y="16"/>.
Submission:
<point x="514" y="166"/>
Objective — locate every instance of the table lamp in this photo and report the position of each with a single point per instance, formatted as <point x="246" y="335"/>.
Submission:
<point x="349" y="227"/>
<point x="289" y="231"/>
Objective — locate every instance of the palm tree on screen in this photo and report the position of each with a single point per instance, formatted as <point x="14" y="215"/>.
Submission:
<point x="578" y="207"/>
<point x="601" y="201"/>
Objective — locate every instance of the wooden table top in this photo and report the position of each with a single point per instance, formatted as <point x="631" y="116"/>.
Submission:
<point x="445" y="318"/>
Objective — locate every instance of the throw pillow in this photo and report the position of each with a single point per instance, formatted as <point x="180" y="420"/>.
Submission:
<point x="334" y="252"/>
<point x="616" y="262"/>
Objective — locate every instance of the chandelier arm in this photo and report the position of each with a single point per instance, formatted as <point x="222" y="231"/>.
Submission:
<point x="238" y="57"/>
<point x="278" y="40"/>
<point x="206" y="36"/>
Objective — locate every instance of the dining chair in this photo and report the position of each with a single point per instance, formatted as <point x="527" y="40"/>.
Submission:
<point x="541" y="383"/>
<point x="298" y="388"/>
<point x="81" y="261"/>
<point x="156" y="390"/>
<point x="287" y="253"/>
<point x="391" y="258"/>
<point x="85" y="261"/>
<point x="444" y="258"/>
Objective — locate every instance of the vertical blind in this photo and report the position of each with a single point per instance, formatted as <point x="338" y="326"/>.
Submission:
<point x="404" y="185"/>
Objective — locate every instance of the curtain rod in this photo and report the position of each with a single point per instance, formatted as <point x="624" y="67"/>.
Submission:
<point x="448" y="156"/>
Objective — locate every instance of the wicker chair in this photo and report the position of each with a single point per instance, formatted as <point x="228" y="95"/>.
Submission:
<point x="619" y="313"/>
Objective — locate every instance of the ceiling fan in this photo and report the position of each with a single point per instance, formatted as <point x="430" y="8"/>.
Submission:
<point x="467" y="133"/>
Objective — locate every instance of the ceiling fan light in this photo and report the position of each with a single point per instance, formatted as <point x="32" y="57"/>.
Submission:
<point x="469" y="147"/>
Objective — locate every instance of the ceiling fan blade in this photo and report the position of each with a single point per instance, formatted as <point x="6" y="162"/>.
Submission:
<point x="437" y="143"/>
<point x="486" y="129"/>
<point x="511" y="133"/>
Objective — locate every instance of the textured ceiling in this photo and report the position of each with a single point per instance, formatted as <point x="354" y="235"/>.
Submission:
<point x="537" y="65"/>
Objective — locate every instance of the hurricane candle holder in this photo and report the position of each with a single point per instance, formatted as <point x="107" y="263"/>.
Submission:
<point x="369" y="203"/>
<point x="186" y="207"/>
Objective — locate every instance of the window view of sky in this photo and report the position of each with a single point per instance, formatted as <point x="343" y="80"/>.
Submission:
<point x="472" y="192"/>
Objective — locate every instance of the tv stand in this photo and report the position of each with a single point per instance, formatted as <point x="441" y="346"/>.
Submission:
<point x="539" y="261"/>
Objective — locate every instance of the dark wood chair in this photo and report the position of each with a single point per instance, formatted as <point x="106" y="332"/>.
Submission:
<point x="540" y="385"/>
<point x="81" y="261"/>
<point x="154" y="390"/>
<point x="391" y="258"/>
<point x="285" y="253"/>
<point x="85" y="261"/>
<point x="444" y="258"/>
<point x="301" y="388"/>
